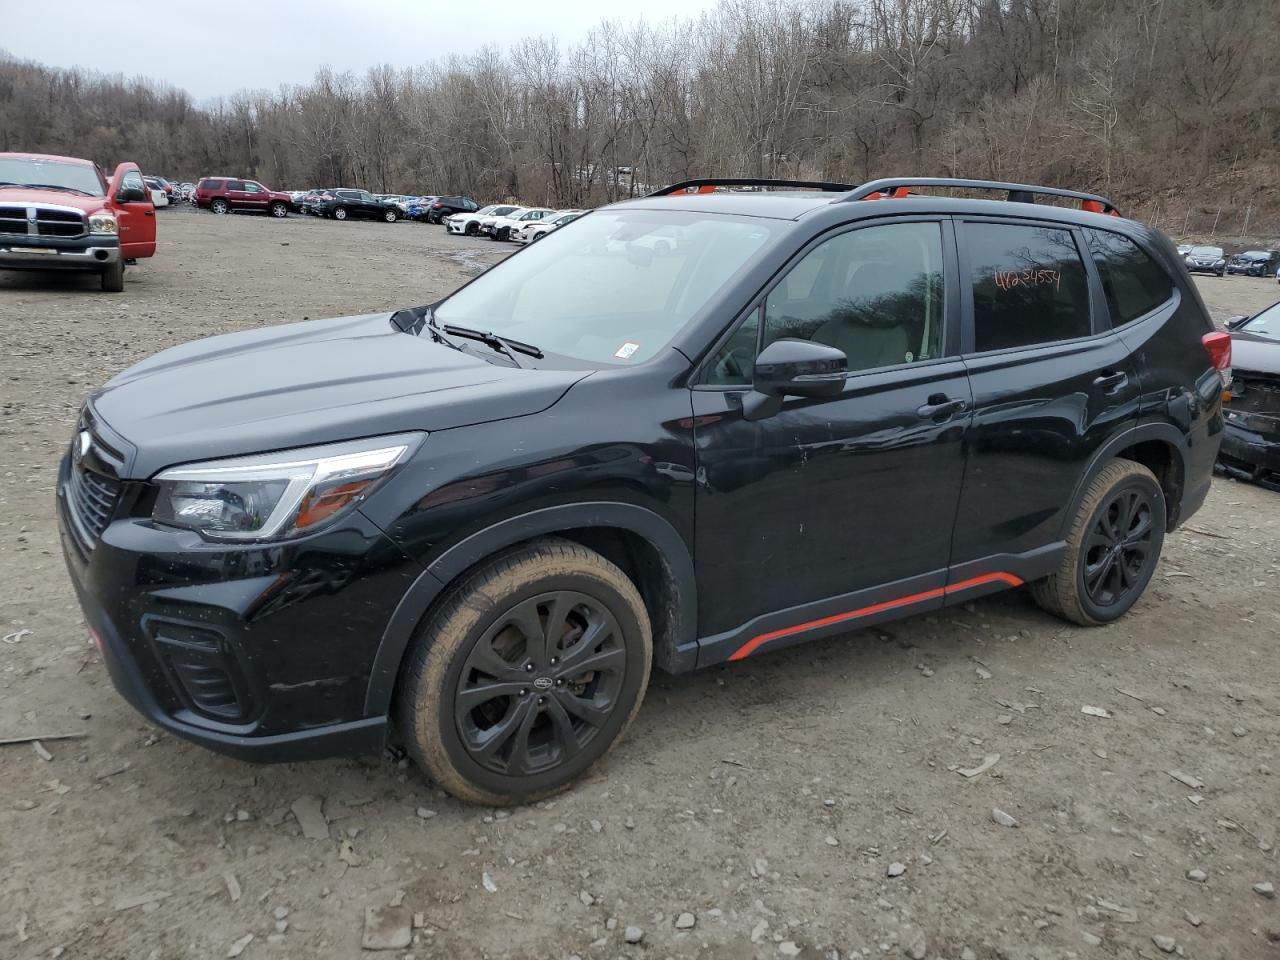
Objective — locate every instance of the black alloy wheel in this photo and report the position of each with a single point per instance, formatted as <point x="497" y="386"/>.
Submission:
<point x="1119" y="548"/>
<point x="540" y="683"/>
<point x="525" y="674"/>
<point x="1112" y="545"/>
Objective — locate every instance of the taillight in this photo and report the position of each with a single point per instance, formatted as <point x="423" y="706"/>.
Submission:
<point x="1218" y="346"/>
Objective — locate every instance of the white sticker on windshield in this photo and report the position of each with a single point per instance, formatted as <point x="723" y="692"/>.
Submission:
<point x="627" y="349"/>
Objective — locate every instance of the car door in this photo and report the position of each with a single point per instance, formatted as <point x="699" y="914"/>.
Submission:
<point x="236" y="197"/>
<point x="834" y="511"/>
<point x="1051" y="384"/>
<point x="370" y="206"/>
<point x="255" y="196"/>
<point x="136" y="218"/>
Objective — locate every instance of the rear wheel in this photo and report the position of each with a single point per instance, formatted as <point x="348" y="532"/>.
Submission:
<point x="340" y="213"/>
<point x="279" y="209"/>
<point x="526" y="674"/>
<point x="219" y="206"/>
<point x="1112" y="548"/>
<point x="113" y="278"/>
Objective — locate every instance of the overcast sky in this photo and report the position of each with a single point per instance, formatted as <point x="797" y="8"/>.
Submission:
<point x="212" y="48"/>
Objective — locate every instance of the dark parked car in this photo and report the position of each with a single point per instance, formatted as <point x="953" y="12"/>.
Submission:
<point x="1255" y="263"/>
<point x="345" y="203"/>
<point x="1251" y="440"/>
<point x="229" y="194"/>
<point x="1206" y="260"/>
<point x="442" y="207"/>
<point x="476" y="524"/>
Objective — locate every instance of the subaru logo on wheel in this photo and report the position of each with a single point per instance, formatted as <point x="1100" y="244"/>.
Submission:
<point x="542" y="683"/>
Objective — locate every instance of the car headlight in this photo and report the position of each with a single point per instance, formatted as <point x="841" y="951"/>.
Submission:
<point x="277" y="495"/>
<point x="103" y="223"/>
<point x="1220" y="263"/>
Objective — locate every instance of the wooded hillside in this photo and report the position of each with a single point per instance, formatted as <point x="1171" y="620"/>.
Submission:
<point x="1171" y="106"/>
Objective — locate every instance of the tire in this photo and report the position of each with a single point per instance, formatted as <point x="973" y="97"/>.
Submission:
<point x="113" y="278"/>
<point x="1123" y="494"/>
<point x="473" y="228"/>
<point x="500" y="234"/>
<point x="340" y="213"/>
<point x="537" y="236"/>
<point x="391" y="216"/>
<point x="472" y="641"/>
<point x="278" y="209"/>
<point x="219" y="206"/>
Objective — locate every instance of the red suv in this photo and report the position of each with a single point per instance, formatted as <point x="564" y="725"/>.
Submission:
<point x="224" y="194"/>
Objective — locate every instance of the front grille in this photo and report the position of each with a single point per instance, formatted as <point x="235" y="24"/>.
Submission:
<point x="91" y="499"/>
<point x="49" y="222"/>
<point x="203" y="669"/>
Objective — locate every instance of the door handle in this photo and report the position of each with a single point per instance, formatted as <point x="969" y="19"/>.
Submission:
<point x="1111" y="382"/>
<point x="939" y="407"/>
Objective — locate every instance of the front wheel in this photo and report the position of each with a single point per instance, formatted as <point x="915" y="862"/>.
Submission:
<point x="1112" y="548"/>
<point x="113" y="278"/>
<point x="391" y="216"/>
<point x="473" y="229"/>
<point x="279" y="209"/>
<point x="526" y="675"/>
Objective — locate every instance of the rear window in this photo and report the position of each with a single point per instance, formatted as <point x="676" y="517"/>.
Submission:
<point x="1029" y="285"/>
<point x="1133" y="282"/>
<point x="211" y="184"/>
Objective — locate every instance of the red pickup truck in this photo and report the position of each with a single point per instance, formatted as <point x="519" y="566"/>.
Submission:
<point x="62" y="213"/>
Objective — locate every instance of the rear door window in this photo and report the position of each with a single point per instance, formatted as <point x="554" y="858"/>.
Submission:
<point x="1134" y="284"/>
<point x="1028" y="285"/>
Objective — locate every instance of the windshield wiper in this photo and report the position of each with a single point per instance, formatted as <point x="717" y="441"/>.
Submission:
<point x="503" y="345"/>
<point x="53" y="186"/>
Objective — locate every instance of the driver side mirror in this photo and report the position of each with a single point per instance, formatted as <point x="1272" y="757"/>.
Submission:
<point x="794" y="368"/>
<point x="131" y="195"/>
<point x="1235" y="323"/>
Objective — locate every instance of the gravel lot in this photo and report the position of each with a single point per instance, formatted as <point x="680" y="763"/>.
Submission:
<point x="773" y="800"/>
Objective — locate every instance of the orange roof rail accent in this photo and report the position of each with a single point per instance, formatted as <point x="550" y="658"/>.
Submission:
<point x="897" y="187"/>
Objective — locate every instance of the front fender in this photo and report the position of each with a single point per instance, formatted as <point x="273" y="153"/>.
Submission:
<point x="459" y="558"/>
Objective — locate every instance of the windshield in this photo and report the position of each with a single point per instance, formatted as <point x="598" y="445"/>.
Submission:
<point x="1265" y="324"/>
<point x="1206" y="251"/>
<point x="77" y="177"/>
<point x="612" y="287"/>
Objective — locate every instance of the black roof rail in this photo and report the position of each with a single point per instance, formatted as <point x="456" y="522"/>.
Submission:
<point x="708" y="184"/>
<point x="1016" y="192"/>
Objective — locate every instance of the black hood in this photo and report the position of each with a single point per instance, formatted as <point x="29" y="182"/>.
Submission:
<point x="308" y="383"/>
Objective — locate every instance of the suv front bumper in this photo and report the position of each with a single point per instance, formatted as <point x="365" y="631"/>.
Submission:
<point x="260" y="652"/>
<point x="54" y="253"/>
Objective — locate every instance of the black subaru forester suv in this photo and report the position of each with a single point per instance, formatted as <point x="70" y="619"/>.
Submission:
<point x="474" y="525"/>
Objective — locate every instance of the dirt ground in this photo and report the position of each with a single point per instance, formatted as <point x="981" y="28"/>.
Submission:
<point x="770" y="799"/>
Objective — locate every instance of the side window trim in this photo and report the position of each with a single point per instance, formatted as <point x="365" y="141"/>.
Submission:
<point x="1101" y="320"/>
<point x="968" y="338"/>
<point x="950" y="301"/>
